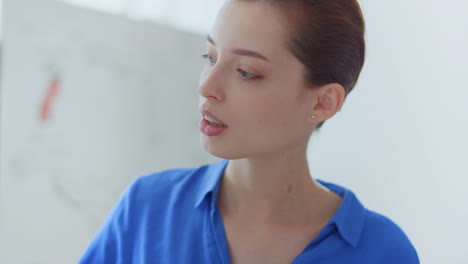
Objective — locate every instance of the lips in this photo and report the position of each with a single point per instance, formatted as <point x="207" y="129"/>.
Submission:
<point x="210" y="118"/>
<point x="210" y="125"/>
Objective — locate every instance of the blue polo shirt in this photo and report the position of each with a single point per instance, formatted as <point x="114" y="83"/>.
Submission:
<point x="172" y="217"/>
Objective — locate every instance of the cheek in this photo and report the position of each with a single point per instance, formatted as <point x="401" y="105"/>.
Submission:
<point x="270" y="113"/>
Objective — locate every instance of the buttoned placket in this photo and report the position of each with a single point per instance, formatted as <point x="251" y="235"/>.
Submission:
<point x="218" y="231"/>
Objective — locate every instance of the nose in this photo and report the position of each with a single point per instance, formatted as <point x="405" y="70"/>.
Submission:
<point x="210" y="85"/>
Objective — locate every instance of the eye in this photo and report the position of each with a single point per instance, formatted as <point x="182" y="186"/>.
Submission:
<point x="247" y="75"/>
<point x="210" y="59"/>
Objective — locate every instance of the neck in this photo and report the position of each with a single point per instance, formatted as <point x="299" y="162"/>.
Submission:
<point x="277" y="190"/>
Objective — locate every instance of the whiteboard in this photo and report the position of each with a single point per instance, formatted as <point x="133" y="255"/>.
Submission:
<point x="89" y="102"/>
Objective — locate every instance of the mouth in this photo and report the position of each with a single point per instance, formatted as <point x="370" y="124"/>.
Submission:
<point x="213" y="122"/>
<point x="210" y="125"/>
<point x="212" y="119"/>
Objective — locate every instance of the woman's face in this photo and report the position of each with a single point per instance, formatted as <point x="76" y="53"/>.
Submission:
<point x="254" y="85"/>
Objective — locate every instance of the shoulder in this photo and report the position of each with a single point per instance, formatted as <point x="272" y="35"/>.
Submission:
<point x="387" y="239"/>
<point x="151" y="206"/>
<point x="170" y="176"/>
<point x="162" y="183"/>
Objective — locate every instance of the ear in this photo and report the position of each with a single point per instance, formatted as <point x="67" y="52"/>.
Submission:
<point x="329" y="99"/>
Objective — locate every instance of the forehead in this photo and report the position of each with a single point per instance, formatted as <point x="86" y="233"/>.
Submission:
<point x="250" y="25"/>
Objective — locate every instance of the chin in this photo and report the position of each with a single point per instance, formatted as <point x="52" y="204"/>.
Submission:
<point x="220" y="149"/>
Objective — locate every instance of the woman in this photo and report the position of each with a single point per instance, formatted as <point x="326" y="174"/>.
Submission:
<point x="275" y="71"/>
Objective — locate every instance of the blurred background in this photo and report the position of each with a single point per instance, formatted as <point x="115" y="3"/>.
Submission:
<point x="96" y="93"/>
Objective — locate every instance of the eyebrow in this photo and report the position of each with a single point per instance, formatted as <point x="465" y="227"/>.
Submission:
<point x="241" y="52"/>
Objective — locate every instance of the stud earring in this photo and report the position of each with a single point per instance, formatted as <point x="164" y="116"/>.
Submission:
<point x="313" y="116"/>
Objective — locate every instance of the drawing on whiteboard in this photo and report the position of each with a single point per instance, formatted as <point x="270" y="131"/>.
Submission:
<point x="49" y="98"/>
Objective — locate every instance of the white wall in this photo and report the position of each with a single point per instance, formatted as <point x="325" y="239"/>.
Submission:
<point x="187" y="15"/>
<point x="1" y="20"/>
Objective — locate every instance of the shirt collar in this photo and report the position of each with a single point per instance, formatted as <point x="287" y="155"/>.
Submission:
<point x="349" y="218"/>
<point x="211" y="178"/>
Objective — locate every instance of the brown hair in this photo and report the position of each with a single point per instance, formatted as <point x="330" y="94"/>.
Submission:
<point x="327" y="36"/>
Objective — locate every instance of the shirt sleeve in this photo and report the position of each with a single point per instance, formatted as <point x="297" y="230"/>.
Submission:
<point x="110" y="244"/>
<point x="402" y="253"/>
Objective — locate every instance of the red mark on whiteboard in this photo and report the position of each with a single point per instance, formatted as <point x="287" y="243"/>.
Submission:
<point x="49" y="99"/>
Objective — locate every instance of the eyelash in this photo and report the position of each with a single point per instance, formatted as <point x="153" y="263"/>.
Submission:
<point x="206" y="56"/>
